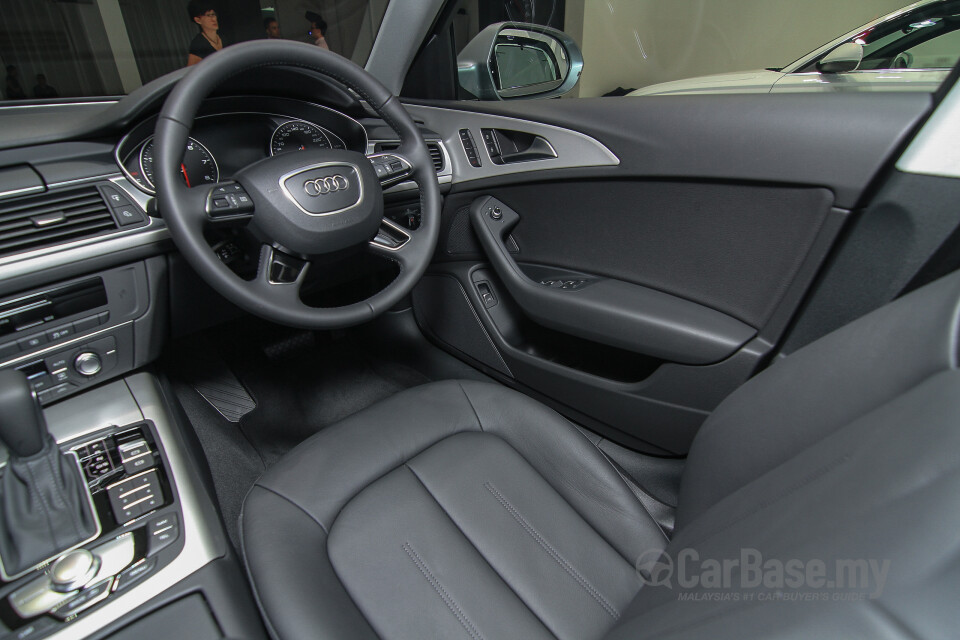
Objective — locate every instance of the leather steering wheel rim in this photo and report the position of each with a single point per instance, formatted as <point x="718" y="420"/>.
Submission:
<point x="179" y="204"/>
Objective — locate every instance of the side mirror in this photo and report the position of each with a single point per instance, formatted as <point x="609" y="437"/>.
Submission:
<point x="515" y="60"/>
<point x="846" y="57"/>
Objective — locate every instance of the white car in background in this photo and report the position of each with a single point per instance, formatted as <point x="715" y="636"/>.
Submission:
<point x="912" y="49"/>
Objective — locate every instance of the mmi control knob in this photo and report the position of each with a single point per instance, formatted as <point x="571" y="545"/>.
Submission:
<point x="88" y="364"/>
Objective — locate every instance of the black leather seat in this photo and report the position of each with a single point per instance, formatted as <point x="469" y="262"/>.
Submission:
<point x="461" y="509"/>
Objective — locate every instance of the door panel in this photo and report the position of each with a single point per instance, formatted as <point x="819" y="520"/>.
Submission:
<point x="695" y="250"/>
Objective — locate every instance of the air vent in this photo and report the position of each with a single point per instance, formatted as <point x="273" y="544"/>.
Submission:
<point x="433" y="147"/>
<point x="52" y="219"/>
<point x="436" y="155"/>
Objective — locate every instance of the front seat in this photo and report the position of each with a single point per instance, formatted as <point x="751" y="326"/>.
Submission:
<point x="465" y="510"/>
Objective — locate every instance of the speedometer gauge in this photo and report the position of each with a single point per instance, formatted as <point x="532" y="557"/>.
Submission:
<point x="298" y="135"/>
<point x="198" y="166"/>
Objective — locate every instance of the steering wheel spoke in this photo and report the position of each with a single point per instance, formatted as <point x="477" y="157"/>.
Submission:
<point x="393" y="241"/>
<point x="279" y="270"/>
<point x="391" y="167"/>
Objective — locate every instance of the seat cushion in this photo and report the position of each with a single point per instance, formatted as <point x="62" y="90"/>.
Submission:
<point x="456" y="509"/>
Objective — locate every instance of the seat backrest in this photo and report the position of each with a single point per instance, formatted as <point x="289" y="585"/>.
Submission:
<point x="845" y="454"/>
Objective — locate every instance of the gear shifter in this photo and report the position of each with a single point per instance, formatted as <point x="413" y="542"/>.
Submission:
<point x="45" y="507"/>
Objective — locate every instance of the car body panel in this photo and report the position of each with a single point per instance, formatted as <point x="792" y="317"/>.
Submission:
<point x="799" y="75"/>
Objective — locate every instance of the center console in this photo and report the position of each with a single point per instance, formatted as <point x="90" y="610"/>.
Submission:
<point x="159" y="531"/>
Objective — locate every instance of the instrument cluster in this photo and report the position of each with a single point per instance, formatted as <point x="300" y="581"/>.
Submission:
<point x="224" y="140"/>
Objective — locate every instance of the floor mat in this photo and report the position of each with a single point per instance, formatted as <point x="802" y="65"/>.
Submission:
<point x="297" y="384"/>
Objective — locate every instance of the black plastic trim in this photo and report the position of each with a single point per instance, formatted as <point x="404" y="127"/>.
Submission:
<point x="611" y="311"/>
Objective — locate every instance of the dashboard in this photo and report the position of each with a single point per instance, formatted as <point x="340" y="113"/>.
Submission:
<point x="230" y="134"/>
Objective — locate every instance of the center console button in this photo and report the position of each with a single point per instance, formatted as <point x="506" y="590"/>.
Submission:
<point x="136" y="496"/>
<point x="135" y="573"/>
<point x="61" y="332"/>
<point x="162" y="532"/>
<point x="32" y="342"/>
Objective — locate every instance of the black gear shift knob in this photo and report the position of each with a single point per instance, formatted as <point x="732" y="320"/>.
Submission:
<point x="22" y="427"/>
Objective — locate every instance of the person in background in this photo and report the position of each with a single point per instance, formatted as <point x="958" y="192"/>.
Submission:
<point x="12" y="88"/>
<point x="272" y="28"/>
<point x="318" y="27"/>
<point x="42" y="89"/>
<point x="208" y="40"/>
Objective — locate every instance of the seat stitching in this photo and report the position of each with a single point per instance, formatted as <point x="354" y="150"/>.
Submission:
<point x="480" y="553"/>
<point x="444" y="595"/>
<point x="553" y="553"/>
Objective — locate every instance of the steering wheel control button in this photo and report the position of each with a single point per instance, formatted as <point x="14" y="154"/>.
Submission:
<point x="324" y="189"/>
<point x="84" y="600"/>
<point x="390" y="168"/>
<point x="229" y="200"/>
<point x="162" y="532"/>
<point x="88" y="364"/>
<point x="135" y="496"/>
<point x="73" y="570"/>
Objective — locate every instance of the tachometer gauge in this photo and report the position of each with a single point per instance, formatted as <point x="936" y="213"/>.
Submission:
<point x="198" y="166"/>
<point x="298" y="135"/>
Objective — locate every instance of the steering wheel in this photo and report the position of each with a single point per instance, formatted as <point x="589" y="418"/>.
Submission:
<point x="303" y="207"/>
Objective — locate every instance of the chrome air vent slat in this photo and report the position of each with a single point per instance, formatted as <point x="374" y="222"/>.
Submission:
<point x="34" y="222"/>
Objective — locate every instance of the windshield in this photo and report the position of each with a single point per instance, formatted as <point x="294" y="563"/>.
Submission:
<point x="87" y="48"/>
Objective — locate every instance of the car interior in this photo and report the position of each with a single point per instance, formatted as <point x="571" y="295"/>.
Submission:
<point x="292" y="347"/>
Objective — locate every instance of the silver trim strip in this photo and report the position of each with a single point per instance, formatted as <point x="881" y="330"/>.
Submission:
<point x="22" y="192"/>
<point x="58" y="104"/>
<point x="573" y="149"/>
<point x="59" y="346"/>
<point x="393" y="225"/>
<point x="21" y="264"/>
<point x="67" y="183"/>
<point x="130" y="400"/>
<point x="935" y="152"/>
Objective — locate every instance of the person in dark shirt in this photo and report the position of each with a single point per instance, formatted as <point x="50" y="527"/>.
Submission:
<point x="42" y="89"/>
<point x="12" y="89"/>
<point x="208" y="40"/>
<point x="318" y="27"/>
<point x="272" y="28"/>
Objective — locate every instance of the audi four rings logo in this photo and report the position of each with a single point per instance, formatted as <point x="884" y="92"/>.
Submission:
<point x="323" y="186"/>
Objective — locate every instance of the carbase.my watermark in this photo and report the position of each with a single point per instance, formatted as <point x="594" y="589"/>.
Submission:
<point x="751" y="576"/>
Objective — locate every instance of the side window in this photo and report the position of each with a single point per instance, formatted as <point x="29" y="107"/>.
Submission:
<point x="941" y="52"/>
